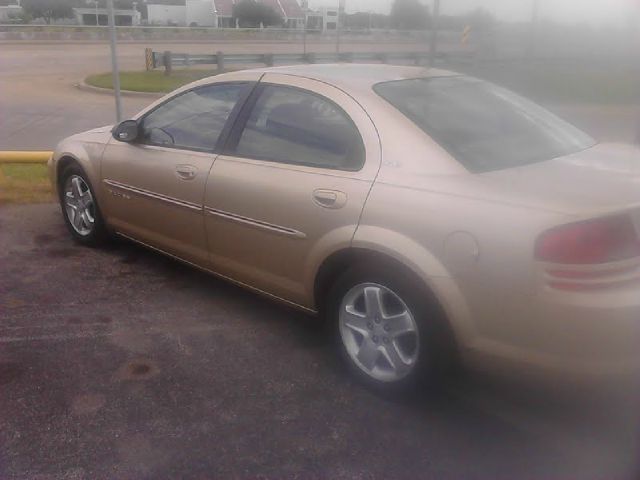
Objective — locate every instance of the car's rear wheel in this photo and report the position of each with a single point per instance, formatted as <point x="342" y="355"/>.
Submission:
<point x="390" y="334"/>
<point x="80" y="208"/>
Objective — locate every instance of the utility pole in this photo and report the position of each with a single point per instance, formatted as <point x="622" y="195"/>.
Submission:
<point x="635" y="42"/>
<point x="338" y="22"/>
<point x="533" y="29"/>
<point x="114" y="60"/>
<point x="305" y="8"/>
<point x="304" y="33"/>
<point x="433" y="44"/>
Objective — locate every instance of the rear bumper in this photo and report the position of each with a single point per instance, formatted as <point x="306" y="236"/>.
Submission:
<point x="569" y="336"/>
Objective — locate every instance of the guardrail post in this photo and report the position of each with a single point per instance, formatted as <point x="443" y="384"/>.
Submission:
<point x="383" y="57"/>
<point x="220" y="61"/>
<point x="148" y="59"/>
<point x="346" y="57"/>
<point x="166" y="60"/>
<point x="187" y="60"/>
<point x="268" y="59"/>
<point x="310" y="57"/>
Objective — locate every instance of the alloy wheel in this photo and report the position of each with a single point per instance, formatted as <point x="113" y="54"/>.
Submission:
<point x="79" y="205"/>
<point x="379" y="332"/>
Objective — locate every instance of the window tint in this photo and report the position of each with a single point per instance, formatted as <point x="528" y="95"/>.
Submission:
<point x="292" y="126"/>
<point x="483" y="126"/>
<point x="193" y="120"/>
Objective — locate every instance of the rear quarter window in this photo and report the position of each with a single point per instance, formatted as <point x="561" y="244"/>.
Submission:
<point x="483" y="126"/>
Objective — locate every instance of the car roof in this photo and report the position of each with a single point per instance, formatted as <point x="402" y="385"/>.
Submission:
<point x="355" y="76"/>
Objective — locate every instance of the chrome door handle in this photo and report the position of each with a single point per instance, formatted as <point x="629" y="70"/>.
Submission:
<point x="329" y="198"/>
<point x="186" y="172"/>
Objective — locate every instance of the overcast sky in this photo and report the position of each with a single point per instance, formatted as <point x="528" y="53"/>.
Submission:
<point x="592" y="11"/>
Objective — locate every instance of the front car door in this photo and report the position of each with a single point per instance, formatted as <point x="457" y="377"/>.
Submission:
<point x="290" y="186"/>
<point x="155" y="186"/>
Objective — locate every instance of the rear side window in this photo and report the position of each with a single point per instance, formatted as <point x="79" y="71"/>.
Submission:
<point x="483" y="126"/>
<point x="193" y="120"/>
<point x="292" y="126"/>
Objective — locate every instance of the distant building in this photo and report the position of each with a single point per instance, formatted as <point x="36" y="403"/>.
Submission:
<point x="200" y="13"/>
<point x="100" y="16"/>
<point x="218" y="13"/>
<point x="9" y="12"/>
<point x="323" y="19"/>
<point x="158" y="14"/>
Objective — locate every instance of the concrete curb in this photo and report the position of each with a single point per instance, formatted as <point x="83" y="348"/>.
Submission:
<point x="24" y="157"/>
<point x="81" y="85"/>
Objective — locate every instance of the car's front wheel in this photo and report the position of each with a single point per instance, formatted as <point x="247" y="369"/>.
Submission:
<point x="80" y="208"/>
<point x="388" y="331"/>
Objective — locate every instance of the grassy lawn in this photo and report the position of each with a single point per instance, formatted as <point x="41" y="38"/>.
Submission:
<point x="153" y="81"/>
<point x="24" y="183"/>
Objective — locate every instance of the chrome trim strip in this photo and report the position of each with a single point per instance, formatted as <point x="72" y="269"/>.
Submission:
<point x="290" y="232"/>
<point x="219" y="275"/>
<point x="155" y="196"/>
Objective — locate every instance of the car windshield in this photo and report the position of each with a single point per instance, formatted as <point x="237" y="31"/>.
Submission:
<point x="483" y="126"/>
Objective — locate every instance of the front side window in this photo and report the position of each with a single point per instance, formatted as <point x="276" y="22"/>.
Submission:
<point x="193" y="120"/>
<point x="293" y="126"/>
<point x="483" y="126"/>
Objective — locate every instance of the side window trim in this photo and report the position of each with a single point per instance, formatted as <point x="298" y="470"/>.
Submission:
<point x="230" y="148"/>
<point x="243" y="116"/>
<point x="227" y="130"/>
<point x="249" y="87"/>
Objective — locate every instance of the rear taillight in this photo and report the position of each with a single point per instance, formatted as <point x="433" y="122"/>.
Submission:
<point x="596" y="241"/>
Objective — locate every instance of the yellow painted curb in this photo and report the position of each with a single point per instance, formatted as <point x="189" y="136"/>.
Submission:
<point x="24" y="157"/>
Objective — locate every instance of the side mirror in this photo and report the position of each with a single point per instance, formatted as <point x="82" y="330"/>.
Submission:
<point x="126" y="131"/>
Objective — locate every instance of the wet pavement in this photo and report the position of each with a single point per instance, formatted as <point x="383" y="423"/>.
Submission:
<point x="119" y="363"/>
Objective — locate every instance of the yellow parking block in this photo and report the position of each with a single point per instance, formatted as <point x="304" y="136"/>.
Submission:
<point x="24" y="157"/>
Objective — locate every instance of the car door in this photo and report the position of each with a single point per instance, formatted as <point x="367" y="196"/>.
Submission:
<point x="155" y="185"/>
<point x="290" y="186"/>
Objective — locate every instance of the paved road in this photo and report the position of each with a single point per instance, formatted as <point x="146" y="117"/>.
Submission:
<point x="39" y="104"/>
<point x="122" y="364"/>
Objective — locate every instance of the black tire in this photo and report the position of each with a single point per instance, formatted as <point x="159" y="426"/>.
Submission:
<point x="98" y="234"/>
<point x="436" y="352"/>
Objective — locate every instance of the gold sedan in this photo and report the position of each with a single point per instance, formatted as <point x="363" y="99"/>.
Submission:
<point x="429" y="216"/>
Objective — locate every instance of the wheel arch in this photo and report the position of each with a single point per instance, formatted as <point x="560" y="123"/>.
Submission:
<point x="340" y="261"/>
<point x="441" y="288"/>
<point x="63" y="163"/>
<point x="72" y="152"/>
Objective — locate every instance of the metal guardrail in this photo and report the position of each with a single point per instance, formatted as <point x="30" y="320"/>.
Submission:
<point x="169" y="59"/>
<point x="158" y="33"/>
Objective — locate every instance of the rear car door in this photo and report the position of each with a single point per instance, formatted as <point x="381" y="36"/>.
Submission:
<point x="290" y="186"/>
<point x="155" y="186"/>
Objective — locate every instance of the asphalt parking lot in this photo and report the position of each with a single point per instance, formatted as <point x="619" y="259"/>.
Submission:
<point x="119" y="363"/>
<point x="40" y="105"/>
